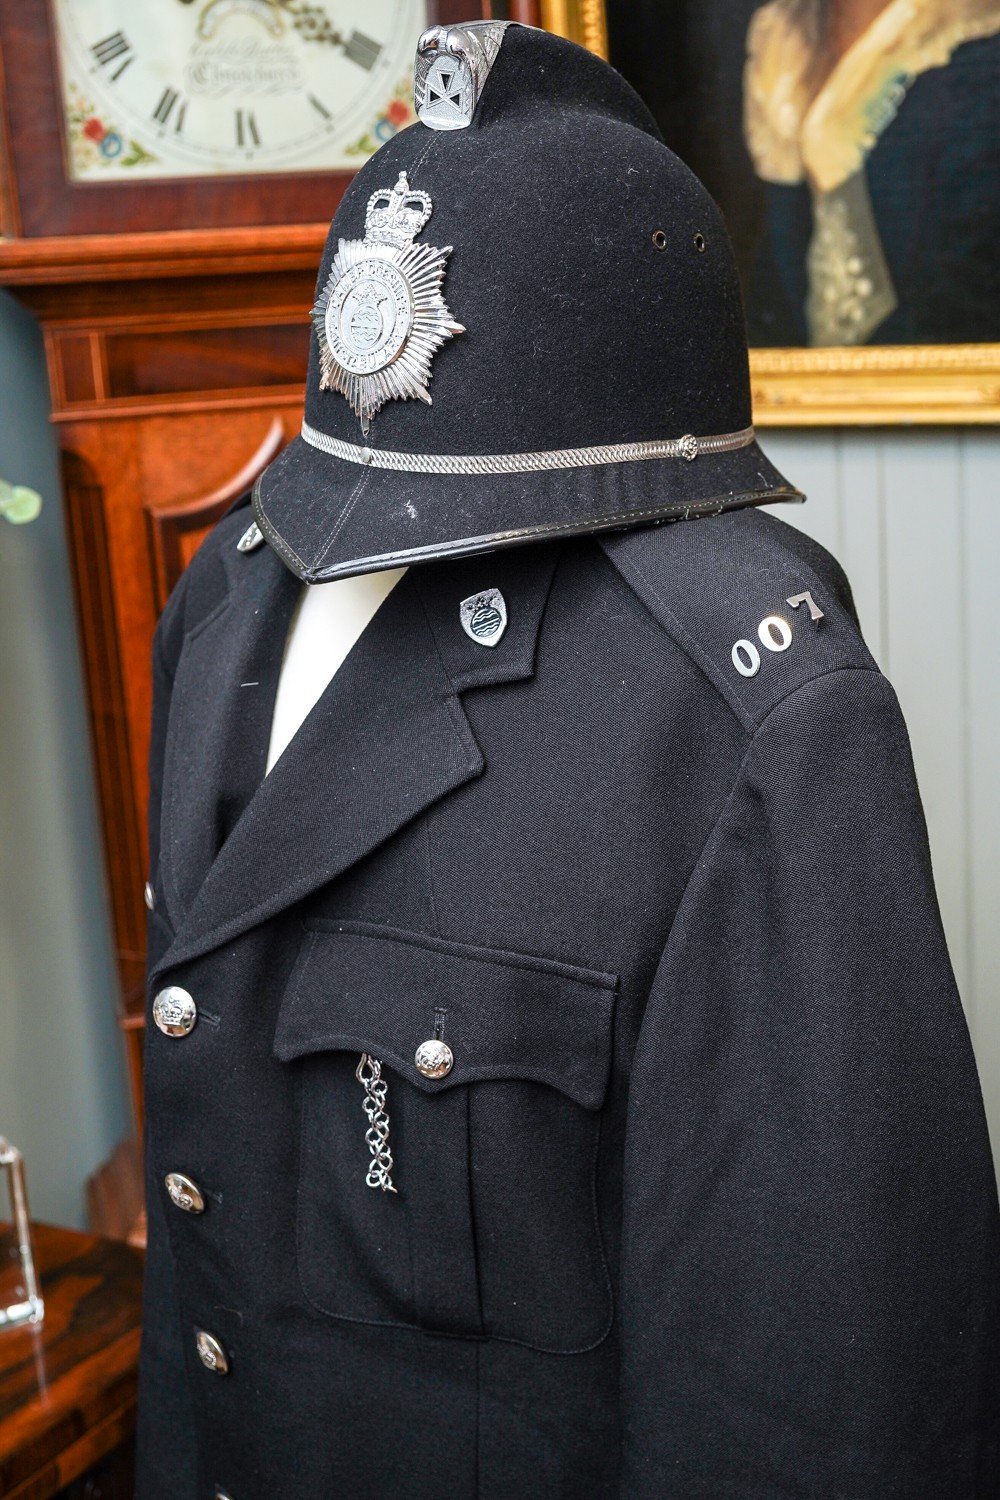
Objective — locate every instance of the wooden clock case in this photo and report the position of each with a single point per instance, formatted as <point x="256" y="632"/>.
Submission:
<point x="175" y="320"/>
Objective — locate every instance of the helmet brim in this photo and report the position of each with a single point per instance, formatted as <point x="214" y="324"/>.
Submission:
<point x="329" y="518"/>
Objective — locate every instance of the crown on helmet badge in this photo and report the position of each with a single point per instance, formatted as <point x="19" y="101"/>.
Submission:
<point x="381" y="317"/>
<point x="395" y="216"/>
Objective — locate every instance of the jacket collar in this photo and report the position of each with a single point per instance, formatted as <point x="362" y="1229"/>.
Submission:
<point x="388" y="737"/>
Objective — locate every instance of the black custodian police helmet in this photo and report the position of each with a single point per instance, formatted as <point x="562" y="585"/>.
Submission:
<point x="528" y="325"/>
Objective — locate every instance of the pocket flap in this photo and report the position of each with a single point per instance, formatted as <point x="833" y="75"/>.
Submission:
<point x="361" y="987"/>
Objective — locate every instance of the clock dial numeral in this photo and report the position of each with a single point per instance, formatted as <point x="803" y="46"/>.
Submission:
<point x="112" y="48"/>
<point x="246" y="128"/>
<point x="168" y="99"/>
<point x="362" y="50"/>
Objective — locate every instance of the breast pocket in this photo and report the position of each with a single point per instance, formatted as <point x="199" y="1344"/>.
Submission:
<point x="492" y="1228"/>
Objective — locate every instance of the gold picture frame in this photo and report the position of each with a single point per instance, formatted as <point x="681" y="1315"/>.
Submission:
<point x="582" y="21"/>
<point x="867" y="385"/>
<point x="876" y="385"/>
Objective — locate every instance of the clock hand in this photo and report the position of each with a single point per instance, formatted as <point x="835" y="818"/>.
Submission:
<point x="314" y="25"/>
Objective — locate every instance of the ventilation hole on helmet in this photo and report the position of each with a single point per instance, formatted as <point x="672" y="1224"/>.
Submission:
<point x="659" y="239"/>
<point x="699" y="242"/>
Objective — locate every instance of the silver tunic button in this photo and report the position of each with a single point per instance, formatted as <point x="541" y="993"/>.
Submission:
<point x="223" y="1495"/>
<point x="174" y="1011"/>
<point x="149" y="896"/>
<point x="211" y="1353"/>
<point x="184" y="1193"/>
<point x="434" y="1058"/>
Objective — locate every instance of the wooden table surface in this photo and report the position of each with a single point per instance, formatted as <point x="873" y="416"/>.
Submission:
<point x="67" y="1386"/>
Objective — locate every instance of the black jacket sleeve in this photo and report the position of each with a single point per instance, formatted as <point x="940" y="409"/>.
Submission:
<point x="809" y="1302"/>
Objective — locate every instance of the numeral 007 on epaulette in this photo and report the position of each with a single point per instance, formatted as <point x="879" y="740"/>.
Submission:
<point x="774" y="634"/>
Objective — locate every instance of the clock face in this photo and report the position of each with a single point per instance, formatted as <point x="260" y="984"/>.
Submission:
<point x="190" y="88"/>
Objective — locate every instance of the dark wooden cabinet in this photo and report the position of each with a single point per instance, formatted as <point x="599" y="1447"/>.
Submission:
<point x="68" y="1386"/>
<point x="112" y="1479"/>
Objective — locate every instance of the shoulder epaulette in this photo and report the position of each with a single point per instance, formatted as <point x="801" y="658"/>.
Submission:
<point x="758" y="606"/>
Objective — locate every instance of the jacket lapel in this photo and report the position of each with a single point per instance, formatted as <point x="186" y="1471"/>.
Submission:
<point x="388" y="737"/>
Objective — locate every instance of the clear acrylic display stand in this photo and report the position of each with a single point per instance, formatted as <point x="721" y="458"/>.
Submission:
<point x="19" y="1299"/>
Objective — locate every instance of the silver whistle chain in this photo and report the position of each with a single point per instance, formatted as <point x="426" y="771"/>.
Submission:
<point x="369" y="1073"/>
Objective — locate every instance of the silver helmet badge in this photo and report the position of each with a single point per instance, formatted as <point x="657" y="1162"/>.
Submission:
<point x="381" y="316"/>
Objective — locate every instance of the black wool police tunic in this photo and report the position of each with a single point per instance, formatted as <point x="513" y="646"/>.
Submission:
<point x="704" y="1204"/>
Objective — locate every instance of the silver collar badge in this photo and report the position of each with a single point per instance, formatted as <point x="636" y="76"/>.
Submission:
<point x="381" y="316"/>
<point x="453" y="63"/>
<point x="484" y="616"/>
<point x="251" y="538"/>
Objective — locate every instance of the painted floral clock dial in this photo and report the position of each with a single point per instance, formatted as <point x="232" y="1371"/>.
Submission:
<point x="189" y="88"/>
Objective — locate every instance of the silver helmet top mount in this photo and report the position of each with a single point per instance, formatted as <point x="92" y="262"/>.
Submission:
<point x="452" y="66"/>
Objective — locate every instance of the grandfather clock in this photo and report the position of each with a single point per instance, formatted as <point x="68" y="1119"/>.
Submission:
<point x="168" y="171"/>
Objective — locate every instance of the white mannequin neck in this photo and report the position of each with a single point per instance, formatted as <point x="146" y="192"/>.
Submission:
<point x="326" y="622"/>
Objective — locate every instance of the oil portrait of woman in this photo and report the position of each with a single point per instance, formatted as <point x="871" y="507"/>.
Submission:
<point x="854" y="146"/>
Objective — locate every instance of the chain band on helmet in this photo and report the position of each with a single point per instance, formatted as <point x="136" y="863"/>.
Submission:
<point x="687" y="447"/>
